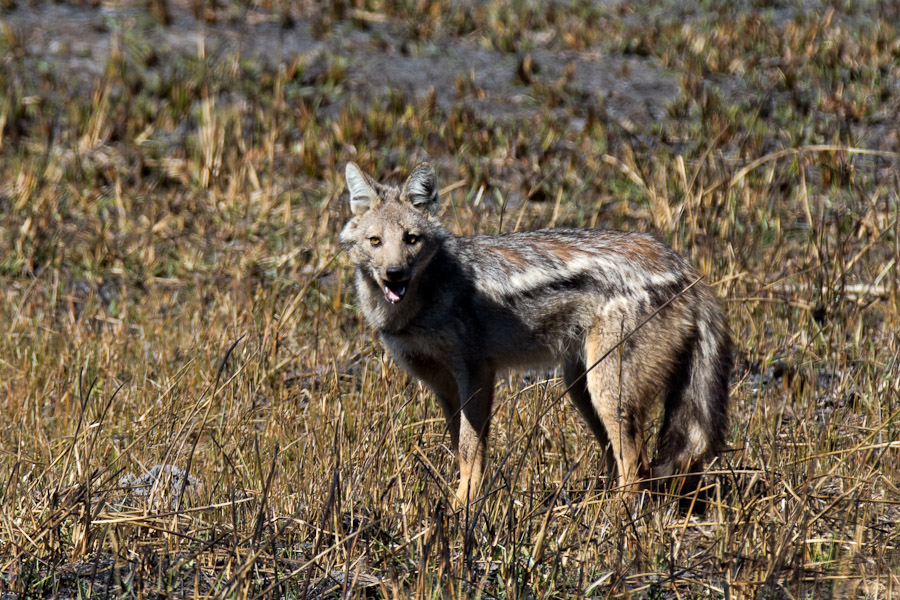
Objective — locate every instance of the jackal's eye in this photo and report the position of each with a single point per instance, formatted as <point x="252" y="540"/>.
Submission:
<point x="375" y="241"/>
<point x="411" y="239"/>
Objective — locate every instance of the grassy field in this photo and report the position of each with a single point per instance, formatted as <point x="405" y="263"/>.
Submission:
<point x="172" y="293"/>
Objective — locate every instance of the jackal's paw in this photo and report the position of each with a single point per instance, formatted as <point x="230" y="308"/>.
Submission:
<point x="465" y="494"/>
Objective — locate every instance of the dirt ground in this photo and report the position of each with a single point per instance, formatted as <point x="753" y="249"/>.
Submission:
<point x="82" y="38"/>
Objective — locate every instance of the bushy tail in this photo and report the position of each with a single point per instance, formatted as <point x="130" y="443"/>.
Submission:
<point x="695" y="422"/>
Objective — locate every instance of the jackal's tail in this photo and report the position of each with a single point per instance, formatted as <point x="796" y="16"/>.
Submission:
<point x="695" y="418"/>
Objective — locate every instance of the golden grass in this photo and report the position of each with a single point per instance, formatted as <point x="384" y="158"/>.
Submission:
<point x="173" y="294"/>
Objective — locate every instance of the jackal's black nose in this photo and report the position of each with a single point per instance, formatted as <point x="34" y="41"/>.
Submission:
<point x="394" y="274"/>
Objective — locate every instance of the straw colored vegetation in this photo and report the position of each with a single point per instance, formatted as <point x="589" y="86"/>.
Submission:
<point x="172" y="295"/>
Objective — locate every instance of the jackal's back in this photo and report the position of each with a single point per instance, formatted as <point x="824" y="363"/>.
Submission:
<point x="542" y="290"/>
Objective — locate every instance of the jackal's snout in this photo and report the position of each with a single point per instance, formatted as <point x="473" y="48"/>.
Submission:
<point x="394" y="283"/>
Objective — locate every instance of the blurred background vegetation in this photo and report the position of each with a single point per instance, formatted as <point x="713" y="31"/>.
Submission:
<point x="173" y="294"/>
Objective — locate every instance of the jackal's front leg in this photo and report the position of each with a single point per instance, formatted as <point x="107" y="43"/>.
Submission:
<point x="442" y="382"/>
<point x="477" y="396"/>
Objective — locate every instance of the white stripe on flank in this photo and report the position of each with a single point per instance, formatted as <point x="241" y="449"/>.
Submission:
<point x="536" y="277"/>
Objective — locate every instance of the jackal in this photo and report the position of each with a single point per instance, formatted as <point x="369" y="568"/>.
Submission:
<point x="453" y="310"/>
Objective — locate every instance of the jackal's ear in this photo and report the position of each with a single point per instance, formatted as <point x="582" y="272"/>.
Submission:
<point x="362" y="194"/>
<point x="421" y="188"/>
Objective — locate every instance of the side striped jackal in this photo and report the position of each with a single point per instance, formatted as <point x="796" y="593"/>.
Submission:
<point x="453" y="310"/>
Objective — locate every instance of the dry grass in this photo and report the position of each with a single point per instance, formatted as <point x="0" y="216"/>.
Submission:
<point x="173" y="294"/>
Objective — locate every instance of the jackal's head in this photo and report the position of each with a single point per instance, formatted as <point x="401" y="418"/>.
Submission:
<point x="393" y="234"/>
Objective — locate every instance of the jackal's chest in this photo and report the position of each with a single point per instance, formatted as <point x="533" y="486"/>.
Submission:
<point x="440" y="345"/>
<point x="456" y="344"/>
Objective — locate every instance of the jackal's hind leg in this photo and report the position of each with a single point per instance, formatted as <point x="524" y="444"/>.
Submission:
<point x="621" y="407"/>
<point x="575" y="379"/>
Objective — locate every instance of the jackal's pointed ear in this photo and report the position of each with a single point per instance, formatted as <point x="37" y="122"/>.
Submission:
<point x="362" y="194"/>
<point x="421" y="188"/>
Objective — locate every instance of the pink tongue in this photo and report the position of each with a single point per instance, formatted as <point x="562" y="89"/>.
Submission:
<point x="391" y="295"/>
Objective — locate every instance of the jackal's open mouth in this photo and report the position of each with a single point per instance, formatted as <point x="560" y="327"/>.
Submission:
<point x="394" y="290"/>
